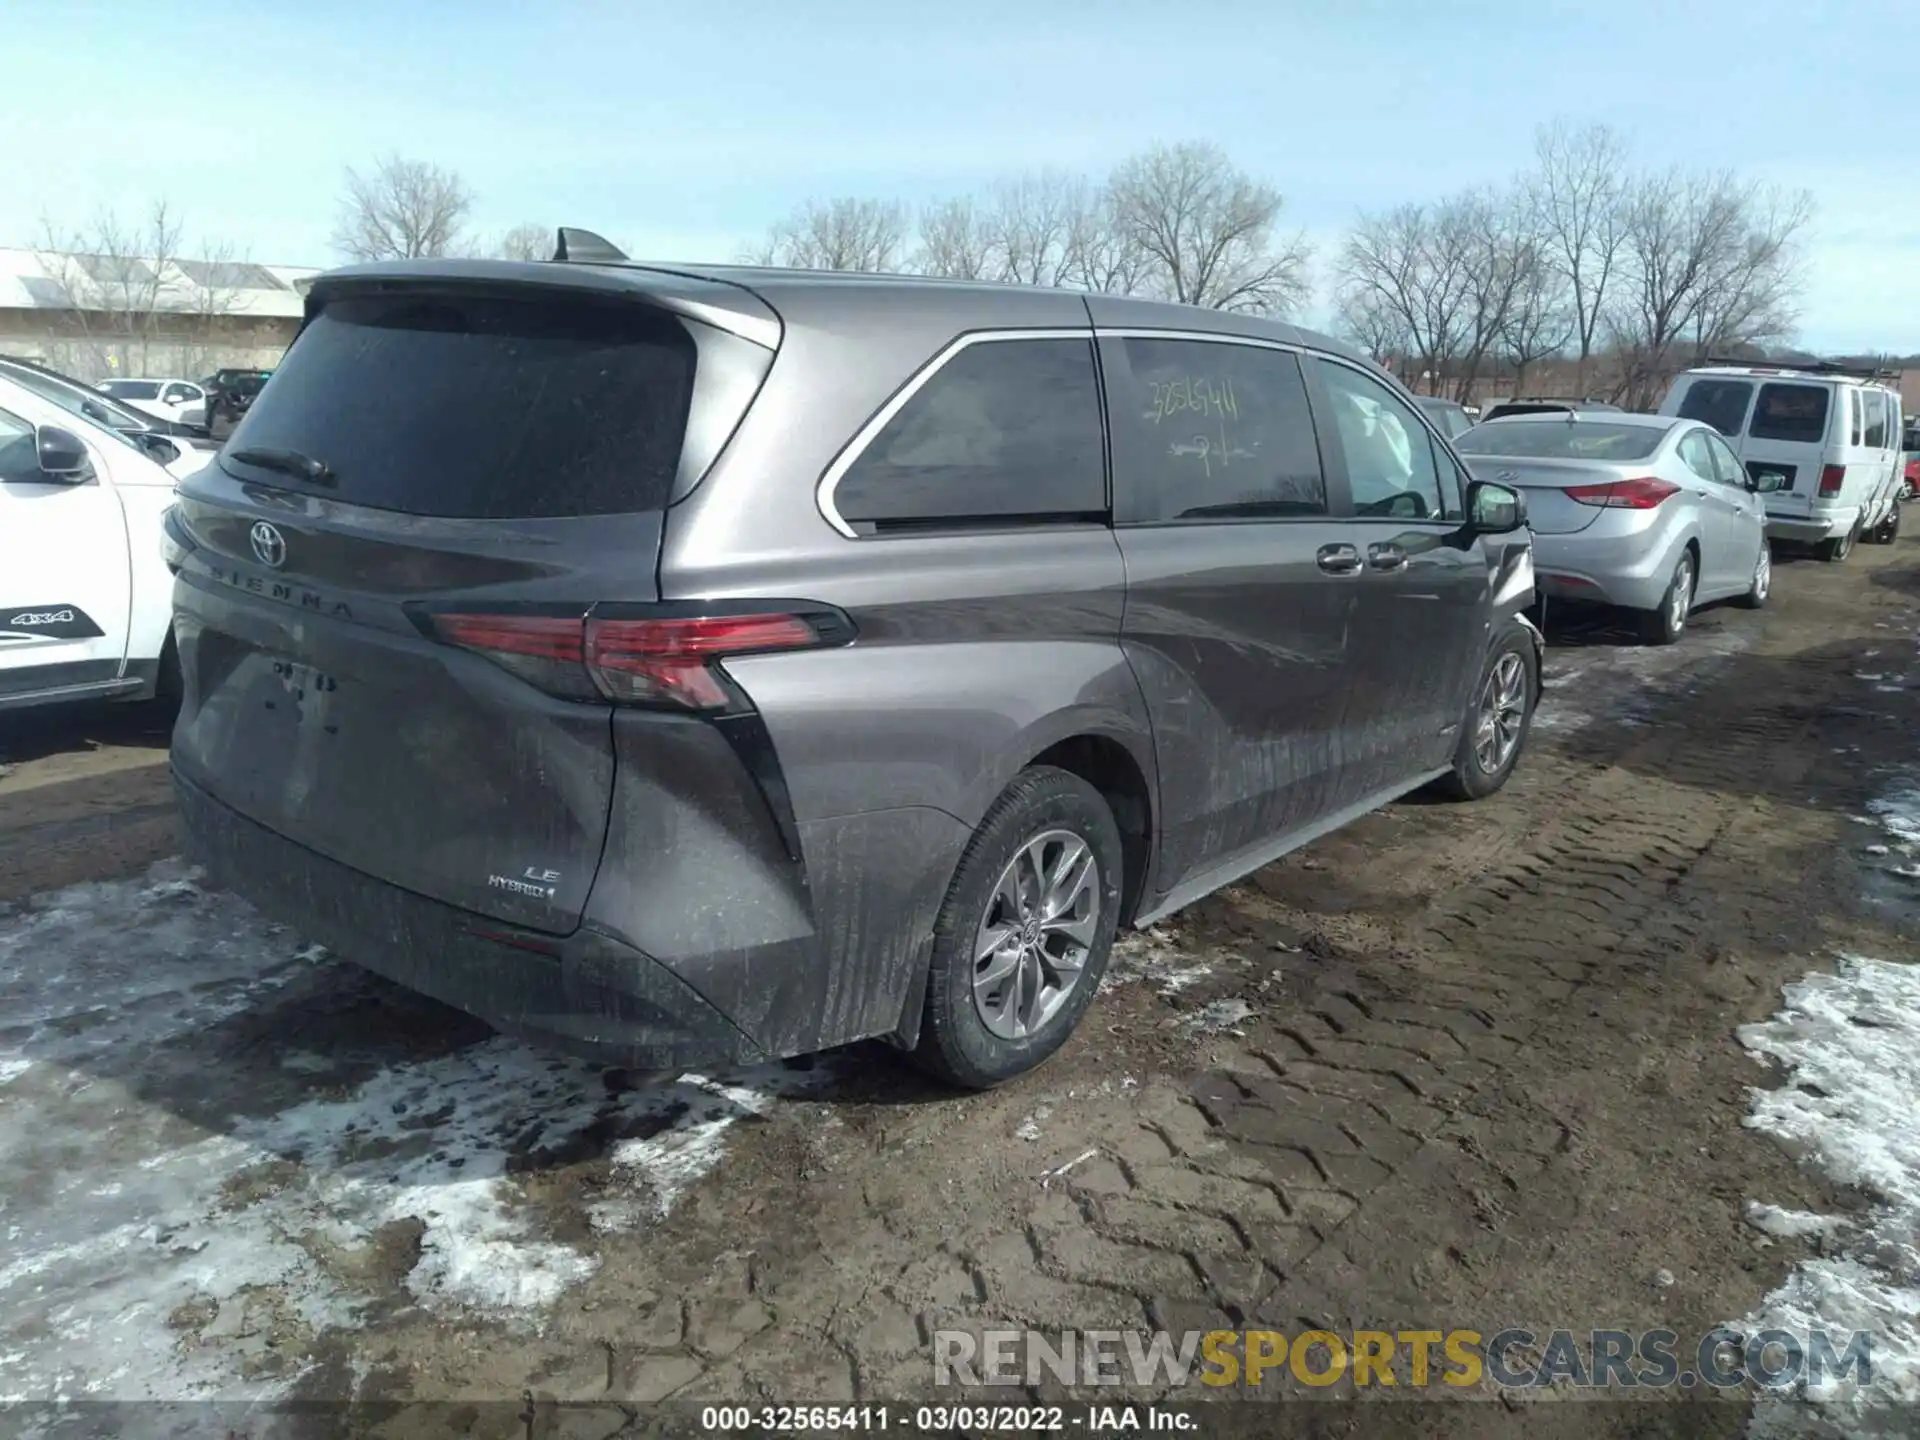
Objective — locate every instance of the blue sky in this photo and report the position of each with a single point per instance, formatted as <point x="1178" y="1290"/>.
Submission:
<point x="684" y="130"/>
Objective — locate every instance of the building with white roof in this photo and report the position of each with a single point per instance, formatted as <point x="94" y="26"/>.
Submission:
<point x="96" y="316"/>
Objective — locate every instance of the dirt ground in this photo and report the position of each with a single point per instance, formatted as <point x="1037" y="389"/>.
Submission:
<point x="1457" y="1066"/>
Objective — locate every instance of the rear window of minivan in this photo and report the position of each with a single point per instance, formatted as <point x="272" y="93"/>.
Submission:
<point x="1719" y="403"/>
<point x="481" y="406"/>
<point x="1796" y="413"/>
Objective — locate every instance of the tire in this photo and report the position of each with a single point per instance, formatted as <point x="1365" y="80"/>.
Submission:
<point x="1841" y="546"/>
<point x="1667" y="623"/>
<point x="1490" y="745"/>
<point x="1888" y="530"/>
<point x="1907" y="491"/>
<point x="1042" y="816"/>
<point x="1761" y="586"/>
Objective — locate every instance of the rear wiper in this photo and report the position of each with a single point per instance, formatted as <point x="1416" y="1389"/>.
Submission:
<point x="289" y="462"/>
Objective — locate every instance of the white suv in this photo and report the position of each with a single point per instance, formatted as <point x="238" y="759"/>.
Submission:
<point x="86" y="598"/>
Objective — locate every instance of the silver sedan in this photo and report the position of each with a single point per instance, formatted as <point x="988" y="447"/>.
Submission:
<point x="1652" y="513"/>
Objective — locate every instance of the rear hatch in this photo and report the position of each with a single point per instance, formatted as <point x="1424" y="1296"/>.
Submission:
<point x="1786" y="433"/>
<point x="430" y="450"/>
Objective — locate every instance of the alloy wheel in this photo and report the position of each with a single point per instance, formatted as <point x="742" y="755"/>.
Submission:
<point x="1680" y="601"/>
<point x="1034" y="940"/>
<point x="1503" y="710"/>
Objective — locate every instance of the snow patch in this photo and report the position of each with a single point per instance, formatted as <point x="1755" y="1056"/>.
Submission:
<point x="1850" y="1044"/>
<point x="1217" y="1015"/>
<point x="196" y="1194"/>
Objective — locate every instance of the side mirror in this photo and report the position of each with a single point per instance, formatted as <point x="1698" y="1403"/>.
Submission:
<point x="1494" y="509"/>
<point x="1766" y="482"/>
<point x="63" y="459"/>
<point x="159" y="449"/>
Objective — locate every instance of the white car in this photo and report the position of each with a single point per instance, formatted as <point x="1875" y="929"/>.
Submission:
<point x="181" y="401"/>
<point x="86" y="599"/>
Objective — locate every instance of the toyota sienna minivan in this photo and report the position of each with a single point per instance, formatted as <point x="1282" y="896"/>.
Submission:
<point x="691" y="665"/>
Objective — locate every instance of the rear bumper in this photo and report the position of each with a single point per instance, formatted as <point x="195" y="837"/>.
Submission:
<point x="589" y="994"/>
<point x="1811" y="529"/>
<point x="1630" y="570"/>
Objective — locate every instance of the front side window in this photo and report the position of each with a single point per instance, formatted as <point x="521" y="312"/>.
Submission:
<point x="132" y="389"/>
<point x="1006" y="430"/>
<point x="19" y="452"/>
<point x="1215" y="431"/>
<point x="1796" y="413"/>
<point x="1719" y="403"/>
<point x="1389" y="457"/>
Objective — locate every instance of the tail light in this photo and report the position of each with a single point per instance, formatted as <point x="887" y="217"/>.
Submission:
<point x="1832" y="478"/>
<point x="663" y="657"/>
<point x="1644" y="493"/>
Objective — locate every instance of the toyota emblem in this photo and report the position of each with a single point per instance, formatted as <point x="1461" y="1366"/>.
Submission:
<point x="269" y="545"/>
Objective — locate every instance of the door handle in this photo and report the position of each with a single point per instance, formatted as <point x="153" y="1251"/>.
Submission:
<point x="1338" y="559"/>
<point x="1386" y="556"/>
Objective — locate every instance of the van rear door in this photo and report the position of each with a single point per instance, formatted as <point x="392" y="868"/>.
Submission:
<point x="1794" y="429"/>
<point x="383" y="581"/>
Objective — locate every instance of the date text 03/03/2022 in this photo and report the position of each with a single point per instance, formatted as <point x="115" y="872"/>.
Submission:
<point x="983" y="1419"/>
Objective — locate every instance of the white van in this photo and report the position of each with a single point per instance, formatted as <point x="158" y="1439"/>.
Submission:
<point x="1832" y="433"/>
<point x="86" y="596"/>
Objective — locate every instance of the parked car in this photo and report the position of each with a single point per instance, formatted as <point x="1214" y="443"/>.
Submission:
<point x="182" y="449"/>
<point x="177" y="400"/>
<point x="1650" y="513"/>
<point x="1449" y="417"/>
<point x="1831" y="433"/>
<point x="1910" y="456"/>
<point x="84" y="595"/>
<point x="229" y="393"/>
<point x="551" y="649"/>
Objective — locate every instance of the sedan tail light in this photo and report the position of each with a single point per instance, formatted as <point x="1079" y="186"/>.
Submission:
<point x="664" y="656"/>
<point x="1832" y="478"/>
<point x="1643" y="493"/>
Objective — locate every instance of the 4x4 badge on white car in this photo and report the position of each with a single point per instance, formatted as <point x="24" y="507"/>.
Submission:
<point x="269" y="546"/>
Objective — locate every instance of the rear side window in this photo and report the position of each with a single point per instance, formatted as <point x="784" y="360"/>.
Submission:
<point x="1796" y="413"/>
<point x="1214" y="431"/>
<point x="482" y="407"/>
<point x="1876" y="438"/>
<point x="1719" y="403"/>
<point x="1006" y="430"/>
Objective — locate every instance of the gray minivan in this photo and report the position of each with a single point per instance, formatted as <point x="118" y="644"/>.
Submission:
<point x="700" y="665"/>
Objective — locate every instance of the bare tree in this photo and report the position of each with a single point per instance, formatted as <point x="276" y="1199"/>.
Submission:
<point x="849" y="233"/>
<point x="135" y="297"/>
<point x="403" y="210"/>
<point x="1104" y="256"/>
<point x="953" y="242"/>
<point x="1207" y="231"/>
<point x="525" y="242"/>
<point x="1407" y="273"/>
<point x="1541" y="322"/>
<point x="1032" y="223"/>
<point x="1373" y="324"/>
<point x="1577" y="192"/>
<point x="1707" y="260"/>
